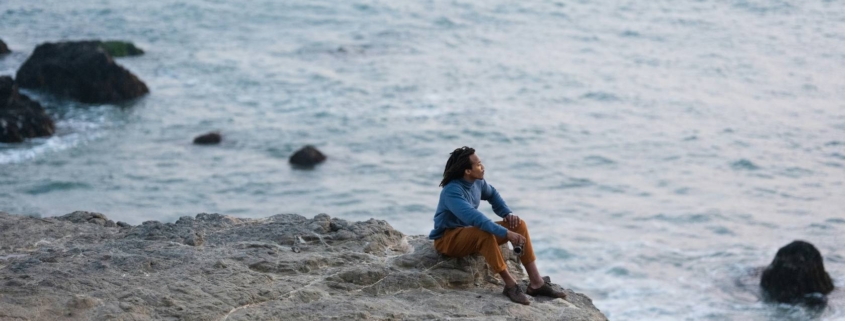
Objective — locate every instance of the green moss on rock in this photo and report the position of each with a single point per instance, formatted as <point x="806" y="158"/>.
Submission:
<point x="121" y="48"/>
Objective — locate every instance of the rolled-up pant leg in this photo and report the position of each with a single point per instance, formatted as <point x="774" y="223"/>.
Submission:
<point x="463" y="241"/>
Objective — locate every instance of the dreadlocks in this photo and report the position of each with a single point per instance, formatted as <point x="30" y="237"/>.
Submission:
<point x="457" y="163"/>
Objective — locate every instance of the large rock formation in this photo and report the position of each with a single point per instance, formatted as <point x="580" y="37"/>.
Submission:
<point x="21" y="117"/>
<point x="215" y="267"/>
<point x="82" y="70"/>
<point x="797" y="275"/>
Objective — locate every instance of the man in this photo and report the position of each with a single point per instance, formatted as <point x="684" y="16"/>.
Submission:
<point x="460" y="229"/>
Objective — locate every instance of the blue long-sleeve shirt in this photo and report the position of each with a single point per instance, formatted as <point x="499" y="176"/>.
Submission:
<point x="458" y="207"/>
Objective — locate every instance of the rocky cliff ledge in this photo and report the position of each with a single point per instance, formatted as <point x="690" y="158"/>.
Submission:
<point x="82" y="266"/>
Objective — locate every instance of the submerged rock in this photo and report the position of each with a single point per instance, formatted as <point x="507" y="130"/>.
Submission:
<point x="208" y="139"/>
<point x="81" y="70"/>
<point x="121" y="49"/>
<point x="21" y="117"/>
<point x="307" y="156"/>
<point x="3" y="48"/>
<point x="797" y="275"/>
<point x="216" y="267"/>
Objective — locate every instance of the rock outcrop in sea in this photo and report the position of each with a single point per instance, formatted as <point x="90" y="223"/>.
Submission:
<point x="21" y="117"/>
<point x="83" y="266"/>
<point x="81" y="70"/>
<point x="797" y="275"/>
<point x="3" y="48"/>
<point x="211" y="138"/>
<point x="307" y="156"/>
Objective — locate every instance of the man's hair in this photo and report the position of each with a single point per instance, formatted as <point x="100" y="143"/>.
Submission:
<point x="457" y="163"/>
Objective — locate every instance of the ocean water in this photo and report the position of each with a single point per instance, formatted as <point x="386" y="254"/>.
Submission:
<point x="660" y="151"/>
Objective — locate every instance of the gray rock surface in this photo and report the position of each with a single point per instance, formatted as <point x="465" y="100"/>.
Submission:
<point x="83" y="266"/>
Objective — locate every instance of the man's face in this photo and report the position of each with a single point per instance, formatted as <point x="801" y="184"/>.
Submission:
<point x="477" y="171"/>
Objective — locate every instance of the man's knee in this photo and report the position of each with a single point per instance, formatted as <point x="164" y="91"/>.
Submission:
<point x="523" y="227"/>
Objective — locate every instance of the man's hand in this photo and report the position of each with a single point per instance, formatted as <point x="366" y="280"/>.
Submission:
<point x="512" y="220"/>
<point x="516" y="239"/>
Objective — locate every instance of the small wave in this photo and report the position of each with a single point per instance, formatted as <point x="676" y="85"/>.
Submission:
<point x="744" y="164"/>
<point x="683" y="218"/>
<point x="796" y="172"/>
<point x="574" y="183"/>
<point x="38" y="147"/>
<point x="720" y="230"/>
<point x="594" y="160"/>
<point x="764" y="7"/>
<point x="556" y="253"/>
<point x="600" y="96"/>
<point x="56" y="186"/>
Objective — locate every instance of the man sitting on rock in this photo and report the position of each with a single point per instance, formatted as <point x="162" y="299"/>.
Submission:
<point x="460" y="229"/>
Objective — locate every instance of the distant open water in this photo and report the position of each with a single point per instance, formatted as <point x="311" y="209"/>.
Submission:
<point x="660" y="151"/>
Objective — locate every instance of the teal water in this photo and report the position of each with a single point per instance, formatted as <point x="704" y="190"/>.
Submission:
<point x="660" y="152"/>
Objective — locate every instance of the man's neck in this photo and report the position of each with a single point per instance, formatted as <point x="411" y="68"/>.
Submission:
<point x="469" y="179"/>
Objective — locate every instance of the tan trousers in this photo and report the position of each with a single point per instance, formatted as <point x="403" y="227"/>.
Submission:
<point x="463" y="241"/>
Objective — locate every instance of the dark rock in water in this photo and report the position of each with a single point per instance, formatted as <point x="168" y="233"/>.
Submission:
<point x="21" y="117"/>
<point x="3" y="48"/>
<point x="307" y="156"/>
<point x="121" y="48"/>
<point x="797" y="275"/>
<point x="208" y="139"/>
<point x="82" y="70"/>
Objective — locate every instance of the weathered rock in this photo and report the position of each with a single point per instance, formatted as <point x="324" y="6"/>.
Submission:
<point x="68" y="268"/>
<point x="208" y="139"/>
<point x="81" y="70"/>
<point x="121" y="48"/>
<point x="3" y="48"/>
<point x="797" y="275"/>
<point x="307" y="156"/>
<point x="21" y="117"/>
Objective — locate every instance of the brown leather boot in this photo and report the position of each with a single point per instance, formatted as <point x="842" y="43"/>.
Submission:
<point x="516" y="295"/>
<point x="546" y="290"/>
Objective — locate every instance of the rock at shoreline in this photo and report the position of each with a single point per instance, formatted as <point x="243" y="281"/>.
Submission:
<point x="21" y="117"/>
<point x="208" y="139"/>
<point x="307" y="156"/>
<point x="797" y="275"/>
<point x="3" y="48"/>
<point x="121" y="49"/>
<point x="215" y="267"/>
<point x="81" y="70"/>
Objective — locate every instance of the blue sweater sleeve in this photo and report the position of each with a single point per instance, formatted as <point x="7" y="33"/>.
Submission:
<point x="489" y="194"/>
<point x="458" y="205"/>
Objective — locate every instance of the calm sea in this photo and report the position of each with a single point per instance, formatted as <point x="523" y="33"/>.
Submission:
<point x="660" y="151"/>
